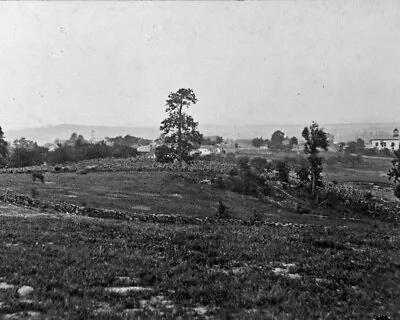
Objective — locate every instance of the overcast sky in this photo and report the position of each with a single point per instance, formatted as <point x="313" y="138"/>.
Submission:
<point x="114" y="63"/>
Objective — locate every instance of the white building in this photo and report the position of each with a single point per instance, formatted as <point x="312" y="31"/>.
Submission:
<point x="144" y="149"/>
<point x="391" y="143"/>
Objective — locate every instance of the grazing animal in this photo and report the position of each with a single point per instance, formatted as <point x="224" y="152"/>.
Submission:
<point x="37" y="175"/>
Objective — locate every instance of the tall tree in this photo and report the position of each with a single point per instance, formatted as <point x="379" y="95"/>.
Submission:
<point x="277" y="139"/>
<point x="3" y="148"/>
<point x="179" y="128"/>
<point x="316" y="139"/>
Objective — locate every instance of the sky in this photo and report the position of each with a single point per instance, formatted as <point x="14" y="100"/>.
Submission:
<point x="114" y="63"/>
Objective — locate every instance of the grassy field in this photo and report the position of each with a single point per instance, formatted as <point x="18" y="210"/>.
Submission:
<point x="157" y="192"/>
<point x="290" y="267"/>
<point x="85" y="268"/>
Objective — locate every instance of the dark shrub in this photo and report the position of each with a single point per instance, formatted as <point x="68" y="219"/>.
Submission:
<point x="303" y="170"/>
<point x="368" y="195"/>
<point x="165" y="154"/>
<point x="258" y="164"/>
<point x="219" y="183"/>
<point x="283" y="171"/>
<point x="230" y="158"/>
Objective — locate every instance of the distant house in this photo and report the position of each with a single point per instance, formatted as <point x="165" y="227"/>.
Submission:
<point x="205" y="150"/>
<point x="108" y="142"/>
<point x="51" y="146"/>
<point x="391" y="143"/>
<point x="144" y="149"/>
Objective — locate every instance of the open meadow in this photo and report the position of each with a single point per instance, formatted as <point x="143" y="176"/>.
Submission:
<point x="85" y="268"/>
<point x="285" y="266"/>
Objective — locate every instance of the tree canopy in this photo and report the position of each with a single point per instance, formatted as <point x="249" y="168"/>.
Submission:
<point x="179" y="128"/>
<point x="316" y="139"/>
<point x="277" y="139"/>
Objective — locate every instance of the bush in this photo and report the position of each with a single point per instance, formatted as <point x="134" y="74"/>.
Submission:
<point x="283" y="171"/>
<point x="165" y="154"/>
<point x="259" y="164"/>
<point x="230" y="158"/>
<point x="303" y="170"/>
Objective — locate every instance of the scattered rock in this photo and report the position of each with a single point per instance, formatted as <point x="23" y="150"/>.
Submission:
<point x="103" y="309"/>
<point x="25" y="291"/>
<point x="125" y="290"/>
<point x="124" y="281"/>
<point x="205" y="181"/>
<point x="22" y="315"/>
<point x="176" y="195"/>
<point x="201" y="310"/>
<point x="285" y="271"/>
<point x="156" y="303"/>
<point x="6" y="286"/>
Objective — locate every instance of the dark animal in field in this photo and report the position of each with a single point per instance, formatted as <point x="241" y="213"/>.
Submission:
<point x="37" y="175"/>
<point x="57" y="169"/>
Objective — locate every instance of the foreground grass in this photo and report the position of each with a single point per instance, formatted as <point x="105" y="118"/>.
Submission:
<point x="222" y="272"/>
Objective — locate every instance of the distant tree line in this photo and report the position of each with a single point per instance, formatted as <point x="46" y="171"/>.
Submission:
<point x="211" y="142"/>
<point x="23" y="152"/>
<point x="278" y="142"/>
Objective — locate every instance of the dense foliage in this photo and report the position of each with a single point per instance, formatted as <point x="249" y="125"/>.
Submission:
<point x="25" y="153"/>
<point x="179" y="129"/>
<point x="316" y="139"/>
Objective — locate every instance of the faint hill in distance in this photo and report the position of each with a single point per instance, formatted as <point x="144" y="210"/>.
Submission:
<point x="47" y="134"/>
<point x="341" y="132"/>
